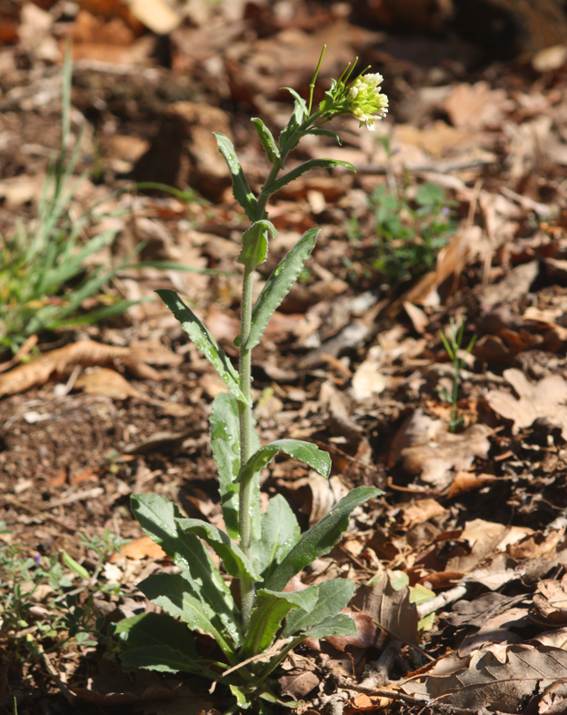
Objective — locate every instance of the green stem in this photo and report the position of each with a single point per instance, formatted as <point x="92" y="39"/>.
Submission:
<point x="246" y="496"/>
<point x="246" y="426"/>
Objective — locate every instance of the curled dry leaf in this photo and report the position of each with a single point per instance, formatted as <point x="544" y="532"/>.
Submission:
<point x="468" y="482"/>
<point x="550" y="601"/>
<point x="543" y="400"/>
<point x="426" y="448"/>
<point x="86" y="353"/>
<point x="553" y="700"/>
<point x="365" y="637"/>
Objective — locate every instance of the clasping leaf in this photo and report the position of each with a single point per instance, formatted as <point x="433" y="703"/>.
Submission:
<point x="255" y="243"/>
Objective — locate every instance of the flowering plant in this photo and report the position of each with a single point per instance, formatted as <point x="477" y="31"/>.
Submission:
<point x="204" y="628"/>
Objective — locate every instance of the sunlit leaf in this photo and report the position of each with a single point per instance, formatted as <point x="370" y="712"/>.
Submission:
<point x="203" y="340"/>
<point x="279" y="284"/>
<point x="319" y="539"/>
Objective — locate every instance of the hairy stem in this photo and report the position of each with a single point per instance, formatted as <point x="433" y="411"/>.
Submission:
<point x="246" y="427"/>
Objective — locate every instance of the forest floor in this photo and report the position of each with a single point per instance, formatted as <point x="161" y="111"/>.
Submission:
<point x="454" y="225"/>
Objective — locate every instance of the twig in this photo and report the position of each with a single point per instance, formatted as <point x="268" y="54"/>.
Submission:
<point x="443" y="599"/>
<point x="427" y="704"/>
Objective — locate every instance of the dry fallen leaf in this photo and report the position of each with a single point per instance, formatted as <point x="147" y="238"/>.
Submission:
<point x="390" y="607"/>
<point x="369" y="380"/>
<point x="484" y="540"/>
<point x="107" y="382"/>
<point x="142" y="548"/>
<point x="550" y="601"/>
<point x="499" y="677"/>
<point x="544" y="400"/>
<point x="468" y="482"/>
<point x="428" y="449"/>
<point x="475" y="105"/>
<point x="86" y="353"/>
<point x="421" y="510"/>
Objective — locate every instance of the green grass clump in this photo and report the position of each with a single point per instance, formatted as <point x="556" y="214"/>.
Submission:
<point x="410" y="232"/>
<point x="45" y="274"/>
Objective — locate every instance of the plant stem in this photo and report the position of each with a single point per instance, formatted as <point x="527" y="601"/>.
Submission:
<point x="246" y="426"/>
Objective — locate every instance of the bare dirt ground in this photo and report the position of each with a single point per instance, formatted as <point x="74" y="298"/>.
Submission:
<point x="353" y="360"/>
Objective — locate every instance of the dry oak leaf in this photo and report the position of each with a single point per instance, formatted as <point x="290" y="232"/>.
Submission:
<point x="496" y="677"/>
<point x="543" y="400"/>
<point x="86" y="353"/>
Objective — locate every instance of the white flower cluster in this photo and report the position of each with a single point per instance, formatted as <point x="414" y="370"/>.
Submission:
<point x="366" y="102"/>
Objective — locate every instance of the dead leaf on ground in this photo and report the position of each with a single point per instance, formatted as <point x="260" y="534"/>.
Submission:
<point x="483" y="539"/>
<point x="513" y="287"/>
<point x="299" y="684"/>
<point x="475" y="105"/>
<point x="421" y="510"/>
<point x="468" y="482"/>
<point x="86" y="353"/>
<point x="553" y="700"/>
<point x="142" y="548"/>
<point x="369" y="380"/>
<point x="550" y="601"/>
<point x="109" y="383"/>
<point x="500" y="676"/>
<point x="451" y="261"/>
<point x="390" y="607"/>
<point x="544" y="400"/>
<point x="426" y="448"/>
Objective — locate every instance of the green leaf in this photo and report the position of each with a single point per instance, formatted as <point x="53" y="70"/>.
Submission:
<point x="268" y="613"/>
<point x="300" y="108"/>
<point x="278" y="285"/>
<point x="155" y="641"/>
<point x="326" y="133"/>
<point x="203" y="340"/>
<point x="225" y="443"/>
<point x="320" y="539"/>
<point x="332" y="598"/>
<point x="158" y="518"/>
<point x="305" y="452"/>
<point x="174" y="593"/>
<point x="308" y="166"/>
<point x="339" y="625"/>
<point x="255" y="242"/>
<point x="267" y="139"/>
<point x="242" y="191"/>
<point x="233" y="558"/>
<point x="280" y="532"/>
